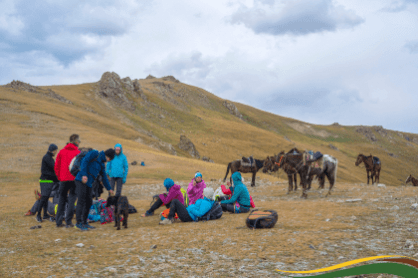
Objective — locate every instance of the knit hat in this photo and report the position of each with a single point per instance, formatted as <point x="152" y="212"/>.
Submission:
<point x="198" y="174"/>
<point x="168" y="183"/>
<point x="52" y="148"/>
<point x="110" y="153"/>
<point x="208" y="193"/>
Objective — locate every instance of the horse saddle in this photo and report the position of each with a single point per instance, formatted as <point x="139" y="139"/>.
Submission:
<point x="248" y="160"/>
<point x="376" y="160"/>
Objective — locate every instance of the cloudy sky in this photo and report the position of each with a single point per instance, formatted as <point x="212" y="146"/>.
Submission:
<point x="323" y="61"/>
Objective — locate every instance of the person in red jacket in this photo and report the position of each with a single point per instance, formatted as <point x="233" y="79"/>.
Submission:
<point x="62" y="163"/>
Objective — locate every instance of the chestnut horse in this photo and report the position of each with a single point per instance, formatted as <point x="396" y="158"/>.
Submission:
<point x="373" y="166"/>
<point x="412" y="179"/>
<point x="237" y="165"/>
<point x="272" y="163"/>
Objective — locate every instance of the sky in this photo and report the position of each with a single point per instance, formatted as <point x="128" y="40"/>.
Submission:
<point x="352" y="62"/>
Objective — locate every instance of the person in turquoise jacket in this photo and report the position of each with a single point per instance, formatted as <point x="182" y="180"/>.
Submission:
<point x="192" y="212"/>
<point x="240" y="200"/>
<point x="117" y="170"/>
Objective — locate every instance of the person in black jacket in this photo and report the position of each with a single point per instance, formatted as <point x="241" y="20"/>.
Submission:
<point x="48" y="180"/>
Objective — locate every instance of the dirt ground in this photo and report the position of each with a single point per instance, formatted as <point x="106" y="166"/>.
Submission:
<point x="356" y="221"/>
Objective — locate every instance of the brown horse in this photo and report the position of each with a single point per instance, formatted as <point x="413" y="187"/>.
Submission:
<point x="412" y="179"/>
<point x="240" y="166"/>
<point x="373" y="166"/>
<point x="272" y="164"/>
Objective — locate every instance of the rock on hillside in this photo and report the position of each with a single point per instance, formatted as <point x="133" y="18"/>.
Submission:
<point x="367" y="132"/>
<point x="112" y="87"/>
<point x="232" y="109"/>
<point x="22" y="86"/>
<point x="187" y="145"/>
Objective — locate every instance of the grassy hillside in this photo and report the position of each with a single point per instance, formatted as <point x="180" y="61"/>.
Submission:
<point x="149" y="125"/>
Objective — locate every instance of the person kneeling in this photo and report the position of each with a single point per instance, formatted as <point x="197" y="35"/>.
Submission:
<point x="192" y="212"/>
<point x="240" y="200"/>
<point x="174" y="193"/>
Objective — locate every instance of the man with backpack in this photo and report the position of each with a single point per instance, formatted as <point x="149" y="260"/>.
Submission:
<point x="62" y="163"/>
<point x="91" y="166"/>
<point x="47" y="181"/>
<point x="117" y="169"/>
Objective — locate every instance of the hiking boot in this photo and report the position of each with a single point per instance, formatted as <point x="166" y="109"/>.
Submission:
<point x="146" y="214"/>
<point x="52" y="219"/>
<point x="69" y="225"/>
<point x="38" y="218"/>
<point x="60" y="225"/>
<point x="166" y="221"/>
<point x="87" y="226"/>
<point x="80" y="227"/>
<point x="45" y="217"/>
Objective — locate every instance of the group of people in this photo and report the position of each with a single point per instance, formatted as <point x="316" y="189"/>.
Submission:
<point x="57" y="181"/>
<point x="56" y="177"/>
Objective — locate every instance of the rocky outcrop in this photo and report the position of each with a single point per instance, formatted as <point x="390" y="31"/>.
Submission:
<point x="22" y="86"/>
<point x="188" y="146"/>
<point x="207" y="159"/>
<point x="170" y="78"/>
<point x="113" y="88"/>
<point x="150" y="77"/>
<point x="367" y="132"/>
<point x="232" y="109"/>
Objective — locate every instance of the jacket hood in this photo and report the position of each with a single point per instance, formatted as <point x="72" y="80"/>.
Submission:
<point x="71" y="147"/>
<point x="119" y="146"/>
<point x="175" y="187"/>
<point x="236" y="177"/>
<point x="102" y="157"/>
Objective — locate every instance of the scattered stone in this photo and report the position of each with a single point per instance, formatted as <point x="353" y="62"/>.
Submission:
<point x="287" y="138"/>
<point x="409" y="229"/>
<point x="333" y="147"/>
<point x="80" y="245"/>
<point x="353" y="217"/>
<point x="188" y="146"/>
<point x="414" y="206"/>
<point x="415" y="256"/>
<point x="58" y="240"/>
<point x="36" y="227"/>
<point x="311" y="246"/>
<point x="395" y="208"/>
<point x="112" y="269"/>
<point x="153" y="246"/>
<point x="327" y="220"/>
<point x="409" y="244"/>
<point x="323" y="253"/>
<point x="134" y="162"/>
<point x="340" y="257"/>
<point x="381" y="185"/>
<point x="91" y="247"/>
<point x="353" y="200"/>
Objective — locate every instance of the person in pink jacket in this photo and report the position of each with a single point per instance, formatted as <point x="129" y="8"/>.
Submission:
<point x="195" y="189"/>
<point x="166" y="198"/>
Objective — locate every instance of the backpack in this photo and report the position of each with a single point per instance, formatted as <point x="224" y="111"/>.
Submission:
<point x="262" y="219"/>
<point x="185" y="197"/>
<point x="131" y="209"/>
<point x="76" y="163"/>
<point x="214" y="213"/>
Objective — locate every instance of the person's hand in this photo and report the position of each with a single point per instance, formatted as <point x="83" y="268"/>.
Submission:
<point x="84" y="179"/>
<point x="228" y="183"/>
<point x="194" y="182"/>
<point x="112" y="193"/>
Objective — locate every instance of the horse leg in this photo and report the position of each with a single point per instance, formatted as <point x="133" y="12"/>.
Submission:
<point x="253" y="180"/>
<point x="289" y="179"/>
<point x="368" y="177"/>
<point x="295" y="177"/>
<point x="227" y="171"/>
<point x="331" y="181"/>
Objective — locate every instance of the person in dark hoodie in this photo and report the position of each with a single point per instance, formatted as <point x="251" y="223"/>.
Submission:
<point x="67" y="184"/>
<point x="117" y="170"/>
<point x="91" y="166"/>
<point x="48" y="181"/>
<point x="165" y="199"/>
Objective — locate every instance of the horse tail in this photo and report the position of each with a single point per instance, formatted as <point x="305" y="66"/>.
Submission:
<point x="335" y="170"/>
<point x="227" y="170"/>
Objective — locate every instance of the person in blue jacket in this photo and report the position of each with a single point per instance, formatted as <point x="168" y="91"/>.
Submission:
<point x="240" y="200"/>
<point x="117" y="170"/>
<point x="91" y="166"/>
<point x="192" y="212"/>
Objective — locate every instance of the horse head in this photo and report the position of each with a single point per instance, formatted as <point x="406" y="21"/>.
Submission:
<point x="409" y="179"/>
<point x="280" y="160"/>
<point x="268" y="164"/>
<point x="360" y="159"/>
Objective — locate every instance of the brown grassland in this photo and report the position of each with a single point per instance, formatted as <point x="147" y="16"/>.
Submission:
<point x="313" y="233"/>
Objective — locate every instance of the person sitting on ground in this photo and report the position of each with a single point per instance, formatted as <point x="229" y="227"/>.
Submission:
<point x="48" y="181"/>
<point x="165" y="199"/>
<point x="192" y="212"/>
<point x="240" y="199"/>
<point x="67" y="184"/>
<point x="117" y="170"/>
<point x="91" y="165"/>
<point x="195" y="189"/>
<point x="34" y="209"/>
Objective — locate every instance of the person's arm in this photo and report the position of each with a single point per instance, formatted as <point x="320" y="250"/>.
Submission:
<point x="104" y="177"/>
<point x="108" y="166"/>
<point x="225" y="190"/>
<point x="85" y="162"/>
<point x="170" y="196"/>
<point x="57" y="165"/>
<point x="234" y="197"/>
<point x="191" y="188"/>
<point x="125" y="168"/>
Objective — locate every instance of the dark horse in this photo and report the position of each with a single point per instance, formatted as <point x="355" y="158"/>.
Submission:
<point x="372" y="164"/>
<point x="243" y="167"/>
<point x="412" y="179"/>
<point x="273" y="163"/>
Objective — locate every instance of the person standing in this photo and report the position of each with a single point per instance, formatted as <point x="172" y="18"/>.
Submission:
<point x="47" y="181"/>
<point x="91" y="166"/>
<point x="117" y="170"/>
<point x="67" y="185"/>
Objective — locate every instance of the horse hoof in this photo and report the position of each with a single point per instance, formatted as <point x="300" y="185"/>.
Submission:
<point x="118" y="228"/>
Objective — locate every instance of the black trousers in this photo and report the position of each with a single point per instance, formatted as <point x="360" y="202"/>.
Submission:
<point x="119" y="184"/>
<point x="177" y="207"/>
<point x="46" y="190"/>
<point x="67" y="198"/>
<point x="231" y="208"/>
<point x="84" y="202"/>
<point x="158" y="204"/>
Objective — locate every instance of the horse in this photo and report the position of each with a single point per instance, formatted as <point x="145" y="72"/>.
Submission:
<point x="329" y="170"/>
<point x="372" y="164"/>
<point x="412" y="179"/>
<point x="243" y="167"/>
<point x="272" y="164"/>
